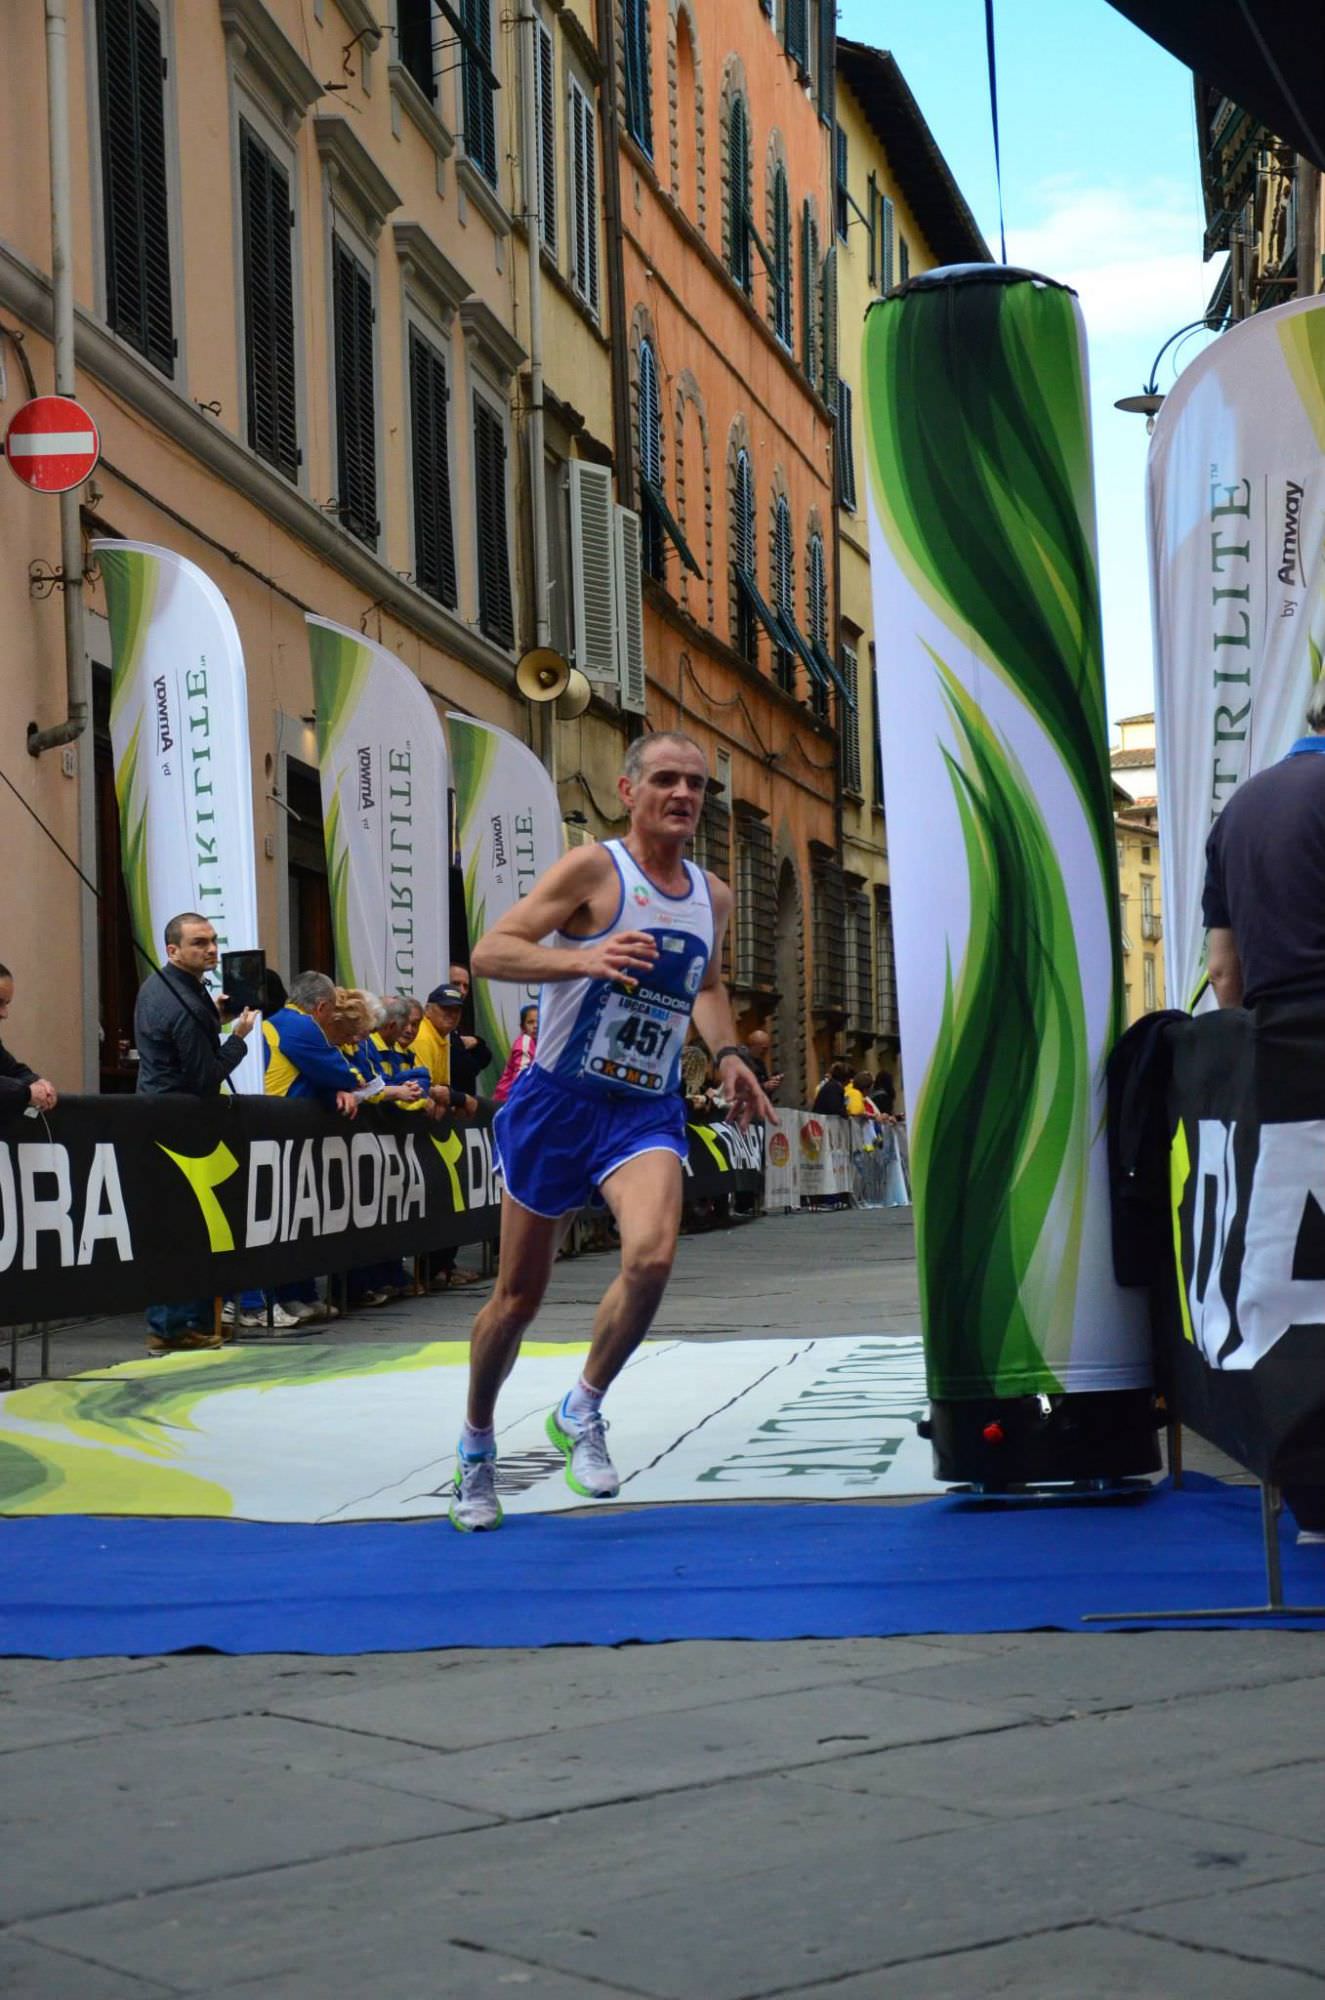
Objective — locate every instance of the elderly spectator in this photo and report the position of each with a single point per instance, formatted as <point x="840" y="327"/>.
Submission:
<point x="521" y="1056"/>
<point x="177" y="1028"/>
<point x="358" y="1015"/>
<point x="20" y="1087"/>
<point x="391" y="1041"/>
<point x="303" y="1061"/>
<point x="415" y="1018"/>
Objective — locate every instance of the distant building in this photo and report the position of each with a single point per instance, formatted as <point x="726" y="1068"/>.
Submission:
<point x="1132" y="760"/>
<point x="1262" y="209"/>
<point x="1136" y="829"/>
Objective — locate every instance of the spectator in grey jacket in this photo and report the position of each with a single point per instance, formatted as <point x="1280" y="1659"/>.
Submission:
<point x="178" y="1032"/>
<point x="20" y="1087"/>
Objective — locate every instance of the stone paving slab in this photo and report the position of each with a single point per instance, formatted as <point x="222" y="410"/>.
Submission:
<point x="495" y="1698"/>
<point x="1289" y="1798"/>
<point x="779" y="1929"/>
<point x="412" y="1899"/>
<point x="1125" y="1753"/>
<point x="90" y="1821"/>
<point x="579" y="1767"/>
<point x="30" y="1971"/>
<point x="448" y="1970"/>
<point x="1057" y="1676"/>
<point x="1280" y="1923"/>
<point x="1104" y="1963"/>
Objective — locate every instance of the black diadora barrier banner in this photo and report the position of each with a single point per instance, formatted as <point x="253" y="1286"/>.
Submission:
<point x="112" y="1203"/>
<point x="1240" y="1309"/>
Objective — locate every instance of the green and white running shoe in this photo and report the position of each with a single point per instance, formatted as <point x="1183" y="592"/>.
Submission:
<point x="474" y="1503"/>
<point x="583" y="1441"/>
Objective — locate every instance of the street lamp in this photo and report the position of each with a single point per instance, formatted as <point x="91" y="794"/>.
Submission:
<point x="1151" y="399"/>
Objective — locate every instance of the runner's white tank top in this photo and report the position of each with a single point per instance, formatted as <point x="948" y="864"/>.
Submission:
<point x="608" y="1036"/>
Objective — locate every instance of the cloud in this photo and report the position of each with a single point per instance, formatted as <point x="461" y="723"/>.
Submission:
<point x="1132" y="252"/>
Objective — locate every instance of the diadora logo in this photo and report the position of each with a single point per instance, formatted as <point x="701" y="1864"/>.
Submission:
<point x="307" y="1187"/>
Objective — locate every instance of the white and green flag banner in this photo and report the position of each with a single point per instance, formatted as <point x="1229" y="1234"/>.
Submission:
<point x="508" y="828"/>
<point x="1000" y="827"/>
<point x="183" y="767"/>
<point x="1237" y="550"/>
<point x="385" y="779"/>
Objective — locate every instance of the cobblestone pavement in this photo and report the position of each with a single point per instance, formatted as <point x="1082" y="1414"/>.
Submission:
<point x="1040" y="1814"/>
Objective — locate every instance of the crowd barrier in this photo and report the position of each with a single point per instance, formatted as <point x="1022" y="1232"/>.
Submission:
<point x="811" y="1158"/>
<point x="1238" y="1301"/>
<point x="109" y="1204"/>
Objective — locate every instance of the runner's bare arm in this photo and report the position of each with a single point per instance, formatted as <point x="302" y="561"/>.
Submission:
<point x="513" y="948"/>
<point x="713" y="1018"/>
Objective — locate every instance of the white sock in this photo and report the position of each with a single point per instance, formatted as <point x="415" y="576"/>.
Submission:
<point x="583" y="1400"/>
<point x="475" y="1443"/>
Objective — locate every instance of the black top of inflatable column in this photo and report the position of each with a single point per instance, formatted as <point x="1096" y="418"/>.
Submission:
<point x="952" y="277"/>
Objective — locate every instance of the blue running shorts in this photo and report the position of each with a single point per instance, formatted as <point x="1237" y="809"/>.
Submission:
<point x="558" y="1145"/>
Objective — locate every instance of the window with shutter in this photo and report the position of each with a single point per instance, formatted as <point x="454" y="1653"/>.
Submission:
<point x="860" y="971"/>
<point x="846" y="450"/>
<point x="745" y="630"/>
<point x="841" y="198"/>
<point x="848" y="722"/>
<point x="781" y="256"/>
<point x="755" y="955"/>
<point x="268" y="278"/>
<point x="593" y="571"/>
<point x="356" y="431"/>
<point x="131" y="79"/>
<point x="784" y="590"/>
<point x="810" y="300"/>
<point x="545" y="119"/>
<point x="796" y="32"/>
<point x="828" y="387"/>
<point x="818" y="613"/>
<point x="434" y="541"/>
<point x="638" y="78"/>
<point x="872" y="226"/>
<point x="885" y="245"/>
<point x="584" y="183"/>
<point x="414" y="43"/>
<point x="630" y="610"/>
<point x="738" y="193"/>
<point x="824" y="38"/>
<point x="903" y="260"/>
<point x="478" y="109"/>
<point x="650" y="457"/>
<point x="495" y="615"/>
<point x="885" y="971"/>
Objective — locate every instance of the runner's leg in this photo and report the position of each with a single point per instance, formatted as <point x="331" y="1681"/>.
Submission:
<point x="529" y="1245"/>
<point x="644" y="1196"/>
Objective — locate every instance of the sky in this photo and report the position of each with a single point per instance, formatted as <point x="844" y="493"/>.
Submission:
<point x="1101" y="189"/>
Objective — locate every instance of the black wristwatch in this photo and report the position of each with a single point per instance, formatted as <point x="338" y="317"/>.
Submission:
<point x="728" y="1049"/>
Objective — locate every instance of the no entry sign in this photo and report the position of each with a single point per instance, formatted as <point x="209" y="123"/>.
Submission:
<point x="52" y="444"/>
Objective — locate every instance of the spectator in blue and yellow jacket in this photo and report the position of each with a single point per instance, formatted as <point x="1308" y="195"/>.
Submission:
<point x="302" y="1060"/>
<point x="395" y="1059"/>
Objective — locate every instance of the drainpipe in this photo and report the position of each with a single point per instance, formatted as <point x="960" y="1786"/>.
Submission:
<point x="62" y="293"/>
<point x="616" y="268"/>
<point x="533" y="206"/>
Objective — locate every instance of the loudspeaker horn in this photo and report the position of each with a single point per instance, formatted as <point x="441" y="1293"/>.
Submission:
<point x="577" y="697"/>
<point x="542" y="674"/>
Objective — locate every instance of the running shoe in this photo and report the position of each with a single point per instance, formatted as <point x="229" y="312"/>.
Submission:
<point x="583" y="1441"/>
<point x="474" y="1503"/>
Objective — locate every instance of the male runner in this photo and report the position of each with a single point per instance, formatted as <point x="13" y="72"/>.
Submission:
<point x="634" y="945"/>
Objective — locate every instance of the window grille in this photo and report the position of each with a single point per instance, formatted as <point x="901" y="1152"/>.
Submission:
<point x="755" y="952"/>
<point x="131" y="65"/>
<point x="713" y="850"/>
<point x="639" y="109"/>
<point x="584" y="177"/>
<point x="830" y="931"/>
<point x="860" y="984"/>
<point x="494" y="568"/>
<point x="885" y="971"/>
<point x="356" y="440"/>
<point x="434" y="541"/>
<point x="268" y="280"/>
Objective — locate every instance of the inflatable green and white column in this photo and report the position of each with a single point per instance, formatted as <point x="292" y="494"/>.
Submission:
<point x="1003" y="867"/>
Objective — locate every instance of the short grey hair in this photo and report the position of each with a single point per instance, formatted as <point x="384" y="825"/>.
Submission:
<point x="1316" y="707"/>
<point x="633" y="768"/>
<point x="394" y="1008"/>
<point x="309" y="989"/>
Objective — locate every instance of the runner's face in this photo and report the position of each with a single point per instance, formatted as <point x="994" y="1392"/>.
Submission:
<point x="669" y="796"/>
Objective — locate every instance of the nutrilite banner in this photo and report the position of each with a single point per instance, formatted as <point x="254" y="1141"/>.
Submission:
<point x="179" y="733"/>
<point x="508" y="827"/>
<point x="385" y="778"/>
<point x="1237" y="551"/>
<point x="1000" y="827"/>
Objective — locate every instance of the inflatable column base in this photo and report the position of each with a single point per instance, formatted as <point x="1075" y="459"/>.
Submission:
<point x="995" y="1442"/>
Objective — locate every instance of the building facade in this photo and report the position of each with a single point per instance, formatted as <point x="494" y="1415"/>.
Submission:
<point x="897" y="212"/>
<point x="1262" y="211"/>
<point x="1136" y="830"/>
<point x="303" y="324"/>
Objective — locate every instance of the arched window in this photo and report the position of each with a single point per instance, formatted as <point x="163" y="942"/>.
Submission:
<point x="639" y="82"/>
<point x="810" y="293"/>
<point x="738" y="192"/>
<point x="784" y="589"/>
<point x="781" y="247"/>
<point x="817" y="597"/>
<point x="649" y="445"/>
<point x="688" y="143"/>
<point x="743" y="554"/>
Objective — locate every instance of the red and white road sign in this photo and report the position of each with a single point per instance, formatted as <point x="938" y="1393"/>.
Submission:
<point x="52" y="444"/>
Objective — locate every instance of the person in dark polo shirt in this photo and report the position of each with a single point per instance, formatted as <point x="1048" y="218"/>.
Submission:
<point x="1264" y="908"/>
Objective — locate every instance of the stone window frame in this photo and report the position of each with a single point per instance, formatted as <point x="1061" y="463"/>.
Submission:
<point x="734" y="85"/>
<point x="687" y="390"/>
<point x="775" y="157"/>
<point x="675" y="9"/>
<point x="738" y="441"/>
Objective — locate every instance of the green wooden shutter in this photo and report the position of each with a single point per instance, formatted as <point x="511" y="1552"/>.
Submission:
<point x="434" y="539"/>
<point x="267" y="223"/>
<point x="356" y="438"/>
<point x="478" y="109"/>
<point x="782" y="256"/>
<point x="494" y="565"/>
<point x="139" y="304"/>
<point x="829" y="385"/>
<point x="639" y="107"/>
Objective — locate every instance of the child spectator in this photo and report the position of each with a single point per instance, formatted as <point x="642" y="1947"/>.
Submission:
<point x="521" y="1056"/>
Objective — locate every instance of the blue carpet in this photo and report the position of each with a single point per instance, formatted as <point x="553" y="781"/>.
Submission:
<point x="73" y="1587"/>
